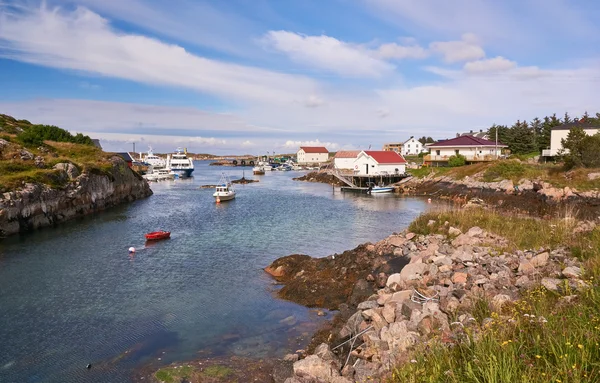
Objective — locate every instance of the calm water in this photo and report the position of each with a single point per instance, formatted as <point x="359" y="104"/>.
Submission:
<point x="72" y="295"/>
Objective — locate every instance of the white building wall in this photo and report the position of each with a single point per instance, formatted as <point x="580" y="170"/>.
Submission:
<point x="344" y="163"/>
<point x="556" y="137"/>
<point x="412" y="147"/>
<point x="311" y="158"/>
<point x="468" y="152"/>
<point x="361" y="163"/>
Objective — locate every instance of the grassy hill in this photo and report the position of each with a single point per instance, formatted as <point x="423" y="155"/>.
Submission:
<point x="28" y="153"/>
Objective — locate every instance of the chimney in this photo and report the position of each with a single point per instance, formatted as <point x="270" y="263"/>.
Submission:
<point x="480" y="130"/>
<point x="471" y="131"/>
<point x="457" y="134"/>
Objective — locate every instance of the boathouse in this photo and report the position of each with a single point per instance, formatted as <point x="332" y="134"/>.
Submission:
<point x="379" y="162"/>
<point x="312" y="155"/>
<point x="344" y="159"/>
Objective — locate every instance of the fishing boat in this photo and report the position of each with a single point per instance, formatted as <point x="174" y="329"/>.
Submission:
<point x="373" y="188"/>
<point x="224" y="190"/>
<point x="158" y="235"/>
<point x="258" y="170"/>
<point x="180" y="164"/>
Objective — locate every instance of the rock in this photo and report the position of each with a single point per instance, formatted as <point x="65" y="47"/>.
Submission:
<point x="367" y="305"/>
<point x="540" y="259"/>
<point x="381" y="280"/>
<point x="454" y="231"/>
<point x="552" y="284"/>
<point x="401" y="296"/>
<point x="396" y="240"/>
<point x="409" y="236"/>
<point x="375" y="318"/>
<point x="414" y="271"/>
<point x="449" y="305"/>
<point x="523" y="281"/>
<point x="389" y="312"/>
<point x="283" y="369"/>
<point x="593" y="176"/>
<point x="475" y="231"/>
<point x="394" y="278"/>
<point x="69" y="168"/>
<point x="526" y="267"/>
<point x="26" y="155"/>
<point x="500" y="300"/>
<point x="370" y="278"/>
<point x="313" y="366"/>
<point x="464" y="239"/>
<point x="291" y="357"/>
<point x="459" y="278"/>
<point x="352" y="326"/>
<point x="289" y="321"/>
<point x="572" y="272"/>
<point x="277" y="272"/>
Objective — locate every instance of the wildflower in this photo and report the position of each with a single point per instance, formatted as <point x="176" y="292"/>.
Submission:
<point x="413" y="361"/>
<point x="580" y="346"/>
<point x="538" y="356"/>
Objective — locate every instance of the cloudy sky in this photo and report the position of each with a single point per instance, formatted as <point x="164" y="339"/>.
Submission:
<point x="250" y="76"/>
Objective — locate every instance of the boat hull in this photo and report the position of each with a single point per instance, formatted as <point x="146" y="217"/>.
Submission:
<point x="382" y="190"/>
<point x="183" y="173"/>
<point x="224" y="196"/>
<point x="158" y="235"/>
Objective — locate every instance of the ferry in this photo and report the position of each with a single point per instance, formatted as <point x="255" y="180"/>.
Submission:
<point x="154" y="160"/>
<point x="180" y="164"/>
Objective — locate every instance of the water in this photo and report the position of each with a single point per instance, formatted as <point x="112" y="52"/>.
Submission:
<point x="72" y="295"/>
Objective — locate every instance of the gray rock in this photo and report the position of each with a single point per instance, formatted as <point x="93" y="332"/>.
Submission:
<point x="414" y="271"/>
<point x="475" y="231"/>
<point x="367" y="305"/>
<point x="540" y="259"/>
<point x="283" y="370"/>
<point x="572" y="272"/>
<point x="313" y="366"/>
<point x="69" y="168"/>
<point x="523" y="281"/>
<point x="526" y="267"/>
<point x="396" y="240"/>
<point x="500" y="300"/>
<point x="552" y="284"/>
<point x="454" y="231"/>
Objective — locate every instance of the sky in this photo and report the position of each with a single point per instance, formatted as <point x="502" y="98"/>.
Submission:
<point x="263" y="76"/>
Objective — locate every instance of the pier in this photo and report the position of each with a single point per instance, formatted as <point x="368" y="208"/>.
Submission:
<point x="360" y="183"/>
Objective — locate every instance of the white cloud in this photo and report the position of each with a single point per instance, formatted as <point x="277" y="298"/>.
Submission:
<point x="466" y="49"/>
<point x="327" y="53"/>
<point x="82" y="40"/>
<point x="313" y="101"/>
<point x="496" y="64"/>
<point x="395" y="51"/>
<point x="290" y="144"/>
<point x="247" y="143"/>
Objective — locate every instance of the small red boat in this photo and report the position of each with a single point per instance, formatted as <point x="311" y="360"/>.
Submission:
<point x="156" y="235"/>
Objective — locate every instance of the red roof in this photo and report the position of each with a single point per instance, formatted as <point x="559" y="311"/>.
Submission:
<point x="347" y="154"/>
<point x="465" y="141"/>
<point x="314" y="149"/>
<point x="386" y="157"/>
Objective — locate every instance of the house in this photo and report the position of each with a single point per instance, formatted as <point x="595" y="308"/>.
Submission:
<point x="412" y="147"/>
<point x="127" y="157"/>
<point x="379" y="162"/>
<point x="558" y="133"/>
<point x="472" y="148"/>
<point x="312" y="155"/>
<point x="481" y="134"/>
<point x="393" y="147"/>
<point x="344" y="159"/>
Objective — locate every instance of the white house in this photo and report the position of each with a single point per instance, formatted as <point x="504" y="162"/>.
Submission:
<point x="379" y="162"/>
<point x="412" y="147"/>
<point x="474" y="149"/>
<point x="312" y="155"/>
<point x="558" y="133"/>
<point x="344" y="159"/>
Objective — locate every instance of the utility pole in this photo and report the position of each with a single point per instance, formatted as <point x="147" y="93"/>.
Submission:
<point x="134" y="147"/>
<point x="496" y="142"/>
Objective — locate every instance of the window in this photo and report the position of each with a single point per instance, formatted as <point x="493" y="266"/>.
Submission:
<point x="437" y="152"/>
<point x="456" y="151"/>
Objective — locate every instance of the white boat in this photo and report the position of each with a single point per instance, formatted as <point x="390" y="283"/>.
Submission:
<point x="373" y="188"/>
<point x="154" y="160"/>
<point x="180" y="164"/>
<point x="159" y="174"/>
<point x="258" y="170"/>
<point x="224" y="190"/>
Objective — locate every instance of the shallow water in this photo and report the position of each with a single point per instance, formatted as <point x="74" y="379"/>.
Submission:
<point x="72" y="295"/>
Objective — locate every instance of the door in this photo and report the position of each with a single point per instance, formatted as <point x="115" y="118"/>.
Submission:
<point x="366" y="168"/>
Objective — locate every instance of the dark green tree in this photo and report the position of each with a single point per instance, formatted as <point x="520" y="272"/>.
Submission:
<point x="567" y="119"/>
<point x="576" y="148"/>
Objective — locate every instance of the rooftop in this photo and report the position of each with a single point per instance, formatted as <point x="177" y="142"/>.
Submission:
<point x="314" y="149"/>
<point x="386" y="157"/>
<point x="347" y="154"/>
<point x="465" y="141"/>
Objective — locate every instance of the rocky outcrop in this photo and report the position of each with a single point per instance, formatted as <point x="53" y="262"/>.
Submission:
<point x="434" y="296"/>
<point x="36" y="205"/>
<point x="321" y="178"/>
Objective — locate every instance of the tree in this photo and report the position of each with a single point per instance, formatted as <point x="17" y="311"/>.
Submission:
<point x="522" y="138"/>
<point x="567" y="119"/>
<point x="426" y="140"/>
<point x="579" y="149"/>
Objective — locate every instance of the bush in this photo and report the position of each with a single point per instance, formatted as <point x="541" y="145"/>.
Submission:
<point x="35" y="135"/>
<point x="457" y="160"/>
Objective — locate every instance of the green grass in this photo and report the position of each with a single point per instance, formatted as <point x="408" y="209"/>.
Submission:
<point x="219" y="372"/>
<point x="540" y="338"/>
<point x="174" y="374"/>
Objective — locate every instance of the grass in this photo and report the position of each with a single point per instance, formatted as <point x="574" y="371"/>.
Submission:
<point x="14" y="171"/>
<point x="515" y="170"/>
<point x="214" y="373"/>
<point x="540" y="338"/>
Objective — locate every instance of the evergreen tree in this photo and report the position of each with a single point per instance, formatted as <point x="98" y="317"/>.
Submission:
<point x="522" y="138"/>
<point x="536" y="127"/>
<point x="567" y="118"/>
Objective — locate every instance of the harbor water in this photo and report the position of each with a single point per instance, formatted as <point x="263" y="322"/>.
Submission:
<point x="72" y="295"/>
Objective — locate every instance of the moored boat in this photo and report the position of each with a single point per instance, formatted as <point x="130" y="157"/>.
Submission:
<point x="224" y="190"/>
<point x="158" y="235"/>
<point x="373" y="188"/>
<point x="180" y="164"/>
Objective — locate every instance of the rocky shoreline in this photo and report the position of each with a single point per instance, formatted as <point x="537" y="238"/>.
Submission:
<point x="37" y="205"/>
<point x="385" y="309"/>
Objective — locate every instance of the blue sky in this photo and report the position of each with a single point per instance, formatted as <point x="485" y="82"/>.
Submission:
<point x="243" y="76"/>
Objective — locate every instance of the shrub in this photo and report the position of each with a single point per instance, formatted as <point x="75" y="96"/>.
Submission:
<point x="457" y="160"/>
